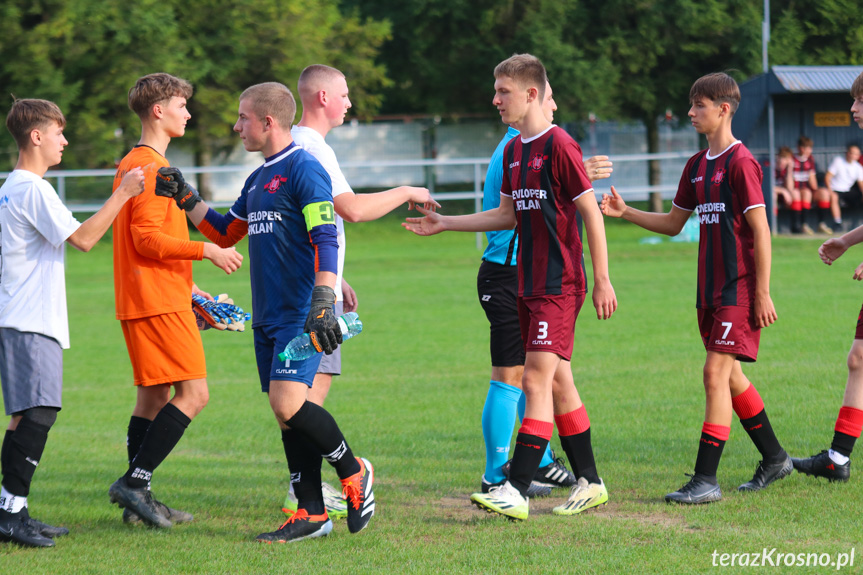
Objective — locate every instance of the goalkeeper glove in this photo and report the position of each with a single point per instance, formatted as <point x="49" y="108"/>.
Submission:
<point x="170" y="184"/>
<point x="321" y="324"/>
<point x="221" y="314"/>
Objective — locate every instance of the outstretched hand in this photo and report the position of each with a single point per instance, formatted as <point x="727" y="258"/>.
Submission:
<point x="429" y="225"/>
<point x="598" y="168"/>
<point x="171" y="184"/>
<point x="228" y="260"/>
<point x="612" y="205"/>
<point x="422" y="196"/>
<point x="832" y="250"/>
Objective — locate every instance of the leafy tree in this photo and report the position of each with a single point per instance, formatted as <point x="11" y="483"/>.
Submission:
<point x="233" y="44"/>
<point x="662" y="46"/>
<point x="85" y="55"/>
<point x="442" y="52"/>
<point x="828" y="32"/>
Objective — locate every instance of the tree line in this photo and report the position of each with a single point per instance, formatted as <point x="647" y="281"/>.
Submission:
<point x="617" y="59"/>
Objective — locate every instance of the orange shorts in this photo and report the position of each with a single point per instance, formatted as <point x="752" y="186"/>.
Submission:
<point x="165" y="348"/>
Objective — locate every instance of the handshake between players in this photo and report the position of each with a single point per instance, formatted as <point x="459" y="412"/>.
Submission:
<point x="321" y="323"/>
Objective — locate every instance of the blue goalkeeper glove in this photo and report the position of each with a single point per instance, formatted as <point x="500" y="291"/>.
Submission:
<point x="221" y="314"/>
<point x="170" y="184"/>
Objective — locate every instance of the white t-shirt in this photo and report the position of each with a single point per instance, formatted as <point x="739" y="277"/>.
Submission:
<point x="844" y="174"/>
<point x="34" y="225"/>
<point x="313" y="142"/>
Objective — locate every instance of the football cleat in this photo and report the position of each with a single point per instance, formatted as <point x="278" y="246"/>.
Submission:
<point x="767" y="473"/>
<point x="337" y="507"/>
<point x="300" y="525"/>
<point x="504" y="500"/>
<point x="553" y="475"/>
<point x="533" y="490"/>
<point x="43" y="528"/>
<point x="697" y="490"/>
<point x="172" y="515"/>
<point x="14" y="529"/>
<point x="822" y="466"/>
<point x="583" y="496"/>
<point x="357" y="490"/>
<point x="140" y="500"/>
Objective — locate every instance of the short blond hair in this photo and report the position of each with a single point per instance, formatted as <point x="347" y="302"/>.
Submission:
<point x="154" y="89"/>
<point x="314" y="78"/>
<point x="526" y="70"/>
<point x="272" y="99"/>
<point x="718" y="87"/>
<point x="27" y="115"/>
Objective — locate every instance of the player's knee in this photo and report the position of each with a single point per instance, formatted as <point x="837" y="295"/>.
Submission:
<point x="713" y="383"/>
<point x="202" y="398"/>
<point x="855" y="358"/>
<point x="44" y="416"/>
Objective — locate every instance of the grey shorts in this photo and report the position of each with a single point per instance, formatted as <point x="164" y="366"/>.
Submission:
<point x="332" y="364"/>
<point x="31" y="370"/>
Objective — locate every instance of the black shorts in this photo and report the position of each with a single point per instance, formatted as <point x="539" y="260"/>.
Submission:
<point x="852" y="198"/>
<point x="497" y="287"/>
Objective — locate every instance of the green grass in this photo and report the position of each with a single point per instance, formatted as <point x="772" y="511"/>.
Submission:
<point x="410" y="400"/>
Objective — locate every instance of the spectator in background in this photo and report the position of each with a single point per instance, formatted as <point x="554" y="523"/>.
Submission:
<point x="844" y="181"/>
<point x="806" y="182"/>
<point x="784" y="188"/>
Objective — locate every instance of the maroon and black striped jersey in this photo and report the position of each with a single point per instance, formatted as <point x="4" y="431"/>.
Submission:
<point x="543" y="175"/>
<point x="802" y="170"/>
<point x="721" y="190"/>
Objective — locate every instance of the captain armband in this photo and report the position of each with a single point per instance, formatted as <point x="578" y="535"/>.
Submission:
<point x="319" y="214"/>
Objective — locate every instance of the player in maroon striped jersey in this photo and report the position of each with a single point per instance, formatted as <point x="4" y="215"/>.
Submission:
<point x="835" y="463"/>
<point x="544" y="187"/>
<point x="805" y="181"/>
<point x="723" y="186"/>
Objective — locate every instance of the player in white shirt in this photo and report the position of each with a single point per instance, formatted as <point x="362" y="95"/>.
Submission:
<point x="844" y="179"/>
<point x="324" y="93"/>
<point x="34" y="328"/>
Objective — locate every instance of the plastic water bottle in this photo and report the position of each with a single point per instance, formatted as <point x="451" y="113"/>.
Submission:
<point x="301" y="346"/>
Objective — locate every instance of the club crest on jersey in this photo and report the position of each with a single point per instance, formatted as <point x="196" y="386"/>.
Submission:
<point x="536" y="161"/>
<point x="274" y="184"/>
<point x="718" y="176"/>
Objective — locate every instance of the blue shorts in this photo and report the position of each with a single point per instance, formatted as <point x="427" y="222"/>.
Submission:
<point x="270" y="341"/>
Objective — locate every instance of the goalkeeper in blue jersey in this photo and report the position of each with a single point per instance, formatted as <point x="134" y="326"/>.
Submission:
<point x="286" y="208"/>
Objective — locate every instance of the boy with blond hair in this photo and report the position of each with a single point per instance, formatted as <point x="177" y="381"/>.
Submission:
<point x="34" y="328"/>
<point x="323" y="91"/>
<point x="286" y="209"/>
<point x="153" y="285"/>
<point x="723" y="185"/>
<point x="544" y="188"/>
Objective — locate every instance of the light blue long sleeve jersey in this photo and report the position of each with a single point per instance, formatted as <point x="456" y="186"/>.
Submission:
<point x="503" y="245"/>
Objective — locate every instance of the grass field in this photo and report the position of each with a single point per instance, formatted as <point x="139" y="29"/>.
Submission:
<point x="410" y="401"/>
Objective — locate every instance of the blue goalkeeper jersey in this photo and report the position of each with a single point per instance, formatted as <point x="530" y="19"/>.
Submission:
<point x="288" y="204"/>
<point x="502" y="245"/>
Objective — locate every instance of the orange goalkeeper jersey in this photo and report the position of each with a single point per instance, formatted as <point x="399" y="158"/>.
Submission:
<point x="152" y="251"/>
